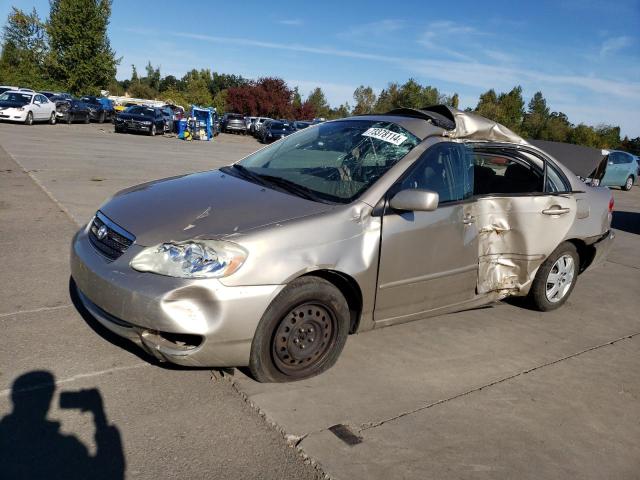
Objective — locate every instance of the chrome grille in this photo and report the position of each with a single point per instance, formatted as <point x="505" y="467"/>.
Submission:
<point x="115" y="241"/>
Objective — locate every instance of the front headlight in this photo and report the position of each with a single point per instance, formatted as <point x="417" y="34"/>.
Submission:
<point x="191" y="259"/>
<point x="146" y="122"/>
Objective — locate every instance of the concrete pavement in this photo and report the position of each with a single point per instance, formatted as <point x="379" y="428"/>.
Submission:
<point x="498" y="392"/>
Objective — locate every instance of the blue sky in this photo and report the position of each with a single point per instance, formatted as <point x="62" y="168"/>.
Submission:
<point x="583" y="54"/>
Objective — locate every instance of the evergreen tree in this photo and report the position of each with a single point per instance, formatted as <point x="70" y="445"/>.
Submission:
<point x="80" y="53"/>
<point x="319" y="102"/>
<point x="365" y="100"/>
<point x="24" y="48"/>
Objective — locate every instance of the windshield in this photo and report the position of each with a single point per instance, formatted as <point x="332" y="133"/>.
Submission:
<point x="19" y="98"/>
<point x="336" y="161"/>
<point x="91" y="100"/>
<point x="144" y="111"/>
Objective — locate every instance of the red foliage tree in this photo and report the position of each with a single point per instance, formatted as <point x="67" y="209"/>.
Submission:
<point x="306" y="111"/>
<point x="267" y="97"/>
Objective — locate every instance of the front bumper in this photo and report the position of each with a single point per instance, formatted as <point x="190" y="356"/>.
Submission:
<point x="153" y="310"/>
<point x="13" y="115"/>
<point x="133" y="126"/>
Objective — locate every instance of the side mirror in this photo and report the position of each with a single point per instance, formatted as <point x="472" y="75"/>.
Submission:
<point x="415" y="200"/>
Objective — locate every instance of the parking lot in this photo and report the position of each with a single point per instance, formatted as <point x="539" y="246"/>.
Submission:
<point x="498" y="392"/>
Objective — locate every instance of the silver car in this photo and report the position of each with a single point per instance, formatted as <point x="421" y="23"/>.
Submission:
<point x="342" y="227"/>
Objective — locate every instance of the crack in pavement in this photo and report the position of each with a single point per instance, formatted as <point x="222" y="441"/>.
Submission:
<point x="623" y="265"/>
<point x="367" y="426"/>
<point x="10" y="391"/>
<point x="34" y="310"/>
<point x="42" y="187"/>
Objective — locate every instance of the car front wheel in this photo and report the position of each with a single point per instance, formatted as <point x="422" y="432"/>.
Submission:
<point x="302" y="332"/>
<point x="52" y="119"/>
<point x="152" y="130"/>
<point x="29" y="119"/>
<point x="628" y="184"/>
<point x="556" y="278"/>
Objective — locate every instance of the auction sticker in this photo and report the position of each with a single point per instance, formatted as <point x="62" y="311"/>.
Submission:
<point x="385" y="135"/>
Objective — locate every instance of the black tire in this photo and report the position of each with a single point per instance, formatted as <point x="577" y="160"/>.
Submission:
<point x="628" y="184"/>
<point x="87" y="118"/>
<point x="101" y="117"/>
<point x="29" y="119"/>
<point x="68" y="119"/>
<point x="52" y="119"/>
<point x="310" y="313"/>
<point x="542" y="294"/>
<point x="152" y="130"/>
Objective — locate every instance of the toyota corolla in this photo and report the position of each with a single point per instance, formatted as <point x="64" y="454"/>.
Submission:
<point x="342" y="227"/>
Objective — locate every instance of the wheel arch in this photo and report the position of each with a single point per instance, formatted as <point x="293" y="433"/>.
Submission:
<point x="349" y="287"/>
<point x="586" y="253"/>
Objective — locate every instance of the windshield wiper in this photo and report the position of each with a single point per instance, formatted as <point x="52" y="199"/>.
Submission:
<point x="290" y="186"/>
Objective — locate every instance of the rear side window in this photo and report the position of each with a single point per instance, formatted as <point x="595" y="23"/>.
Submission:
<point x="445" y="168"/>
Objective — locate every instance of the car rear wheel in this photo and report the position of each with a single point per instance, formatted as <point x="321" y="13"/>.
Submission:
<point x="29" y="119"/>
<point x="556" y="278"/>
<point x="628" y="184"/>
<point x="302" y="332"/>
<point x="52" y="118"/>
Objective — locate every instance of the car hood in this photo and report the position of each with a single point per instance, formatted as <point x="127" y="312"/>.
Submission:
<point x="12" y="104"/>
<point x="202" y="205"/>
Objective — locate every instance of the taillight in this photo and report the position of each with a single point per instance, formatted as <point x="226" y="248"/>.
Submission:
<point x="611" y="204"/>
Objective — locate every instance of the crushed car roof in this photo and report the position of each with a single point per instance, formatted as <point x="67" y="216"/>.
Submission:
<point x="463" y="125"/>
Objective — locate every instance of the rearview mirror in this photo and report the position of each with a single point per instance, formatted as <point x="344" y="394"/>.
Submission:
<point x="415" y="200"/>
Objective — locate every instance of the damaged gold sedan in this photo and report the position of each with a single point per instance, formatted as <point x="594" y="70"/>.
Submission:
<point x="343" y="227"/>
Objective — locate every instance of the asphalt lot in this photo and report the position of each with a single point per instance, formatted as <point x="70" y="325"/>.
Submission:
<point x="498" y="392"/>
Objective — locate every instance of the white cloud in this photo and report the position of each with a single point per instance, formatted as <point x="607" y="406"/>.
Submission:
<point x="373" y="29"/>
<point x="613" y="44"/>
<point x="291" y="22"/>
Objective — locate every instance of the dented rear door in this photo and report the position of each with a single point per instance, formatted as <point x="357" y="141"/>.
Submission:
<point x="516" y="234"/>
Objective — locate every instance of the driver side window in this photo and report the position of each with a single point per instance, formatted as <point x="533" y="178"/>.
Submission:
<point x="445" y="168"/>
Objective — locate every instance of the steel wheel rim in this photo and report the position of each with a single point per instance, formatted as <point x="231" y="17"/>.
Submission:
<point x="629" y="183"/>
<point x="560" y="278"/>
<point x="303" y="338"/>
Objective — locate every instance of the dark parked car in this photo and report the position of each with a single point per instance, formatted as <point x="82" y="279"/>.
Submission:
<point x="100" y="109"/>
<point x="71" y="110"/>
<point x="300" y="125"/>
<point x="140" y="119"/>
<point x="234" y="123"/>
<point x="275" y="130"/>
<point x="169" y="115"/>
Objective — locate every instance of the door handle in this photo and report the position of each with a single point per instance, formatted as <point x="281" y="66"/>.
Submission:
<point x="556" y="210"/>
<point x="469" y="219"/>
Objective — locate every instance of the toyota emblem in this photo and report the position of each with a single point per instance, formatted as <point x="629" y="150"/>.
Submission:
<point x="102" y="232"/>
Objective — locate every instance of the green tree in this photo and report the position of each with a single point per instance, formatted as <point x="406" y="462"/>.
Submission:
<point x="388" y="99"/>
<point x="220" y="101"/>
<point x="488" y="105"/>
<point x="511" y="109"/>
<point x="134" y="74"/>
<point x="319" y="102"/>
<point x="557" y="128"/>
<point x="583" y="134"/>
<point x="454" y="101"/>
<point x="365" y="100"/>
<point x="80" y="52"/>
<point x="536" y="117"/>
<point x="296" y="101"/>
<point x="24" y="49"/>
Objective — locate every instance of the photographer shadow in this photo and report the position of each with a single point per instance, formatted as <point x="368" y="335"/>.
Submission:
<point x="31" y="446"/>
